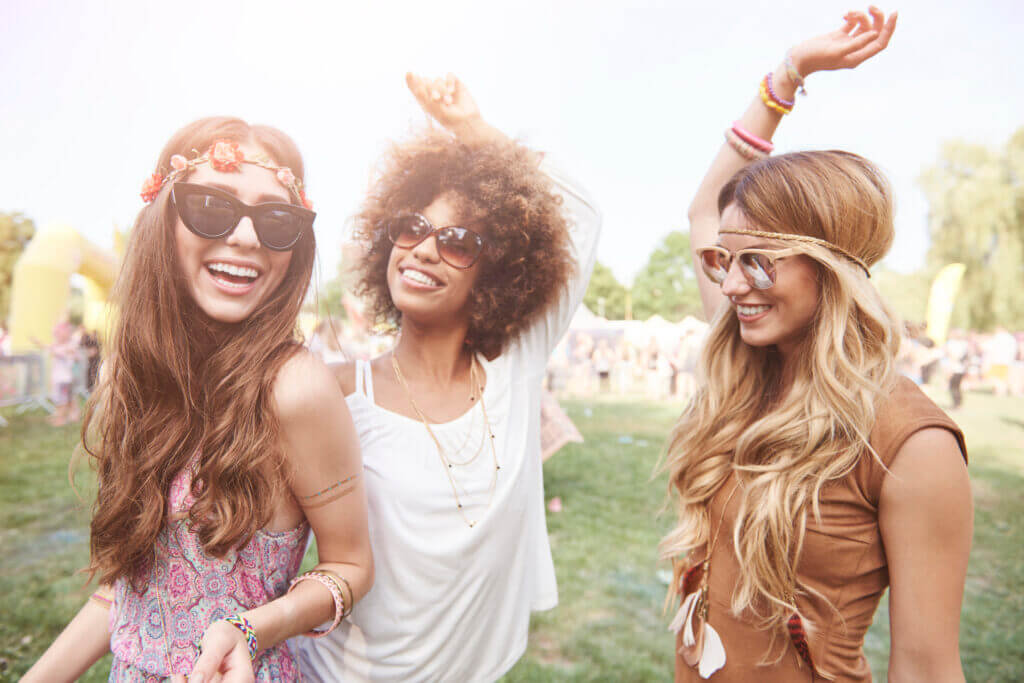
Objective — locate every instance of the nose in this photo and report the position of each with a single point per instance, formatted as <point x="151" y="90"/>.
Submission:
<point x="426" y="250"/>
<point x="735" y="283"/>
<point x="244" y="235"/>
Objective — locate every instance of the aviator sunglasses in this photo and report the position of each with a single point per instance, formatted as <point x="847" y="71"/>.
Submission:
<point x="458" y="247"/>
<point x="213" y="214"/>
<point x="757" y="265"/>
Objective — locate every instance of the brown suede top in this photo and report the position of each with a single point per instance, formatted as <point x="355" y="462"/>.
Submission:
<point x="843" y="559"/>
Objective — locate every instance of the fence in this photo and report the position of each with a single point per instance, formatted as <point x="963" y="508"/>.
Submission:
<point x="23" y="383"/>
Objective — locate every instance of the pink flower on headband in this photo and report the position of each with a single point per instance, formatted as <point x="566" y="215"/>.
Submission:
<point x="305" y="200"/>
<point x="225" y="156"/>
<point x="285" y="176"/>
<point x="151" y="188"/>
<point x="178" y="162"/>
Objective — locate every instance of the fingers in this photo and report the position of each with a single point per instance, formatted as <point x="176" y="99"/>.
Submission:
<point x="863" y="23"/>
<point x="418" y="88"/>
<point x="879" y="42"/>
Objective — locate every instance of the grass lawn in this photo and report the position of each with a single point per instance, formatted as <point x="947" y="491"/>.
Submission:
<point x="609" y="624"/>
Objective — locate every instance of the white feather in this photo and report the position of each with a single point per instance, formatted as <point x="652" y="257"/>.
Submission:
<point x="713" y="657"/>
<point x="681" y="616"/>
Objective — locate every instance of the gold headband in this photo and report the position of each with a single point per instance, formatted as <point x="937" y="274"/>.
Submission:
<point x="800" y="238"/>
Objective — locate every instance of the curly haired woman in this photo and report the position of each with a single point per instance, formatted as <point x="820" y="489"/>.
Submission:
<point x="480" y="258"/>
<point x="809" y="475"/>
<point x="218" y="441"/>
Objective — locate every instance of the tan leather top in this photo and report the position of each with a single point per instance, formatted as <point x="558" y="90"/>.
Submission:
<point x="843" y="559"/>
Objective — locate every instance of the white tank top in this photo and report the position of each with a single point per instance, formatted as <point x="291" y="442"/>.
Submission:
<point x="450" y="602"/>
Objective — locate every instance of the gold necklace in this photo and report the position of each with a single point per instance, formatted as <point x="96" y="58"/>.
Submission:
<point x="446" y="465"/>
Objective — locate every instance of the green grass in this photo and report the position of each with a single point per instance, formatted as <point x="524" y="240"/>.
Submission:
<point x="609" y="624"/>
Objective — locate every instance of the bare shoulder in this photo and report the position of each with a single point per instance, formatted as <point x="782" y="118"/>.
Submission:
<point x="304" y="384"/>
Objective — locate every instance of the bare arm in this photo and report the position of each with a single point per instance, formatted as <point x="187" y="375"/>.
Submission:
<point x="82" y="642"/>
<point x="926" y="518"/>
<point x="858" y="39"/>
<point x="321" y="446"/>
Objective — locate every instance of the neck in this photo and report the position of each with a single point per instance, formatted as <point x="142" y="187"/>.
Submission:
<point x="433" y="354"/>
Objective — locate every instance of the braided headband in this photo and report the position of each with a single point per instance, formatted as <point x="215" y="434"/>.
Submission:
<point x="800" y="238"/>
<point x="224" y="156"/>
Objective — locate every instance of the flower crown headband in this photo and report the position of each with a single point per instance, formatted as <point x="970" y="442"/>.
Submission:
<point x="801" y="238"/>
<point x="224" y="156"/>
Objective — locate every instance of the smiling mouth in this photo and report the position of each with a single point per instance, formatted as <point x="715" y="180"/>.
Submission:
<point x="231" y="275"/>
<point x="420" y="278"/>
<point x="751" y="311"/>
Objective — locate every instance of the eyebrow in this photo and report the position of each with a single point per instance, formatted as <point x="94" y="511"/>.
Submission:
<point x="265" y="197"/>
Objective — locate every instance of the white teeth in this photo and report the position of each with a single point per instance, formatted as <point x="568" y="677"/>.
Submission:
<point x="237" y="271"/>
<point x="422" y="278"/>
<point x="751" y="310"/>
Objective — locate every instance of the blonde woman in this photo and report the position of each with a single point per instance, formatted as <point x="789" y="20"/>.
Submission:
<point x="809" y="476"/>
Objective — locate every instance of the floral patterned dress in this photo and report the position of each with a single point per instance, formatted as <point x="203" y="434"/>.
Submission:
<point x="155" y="633"/>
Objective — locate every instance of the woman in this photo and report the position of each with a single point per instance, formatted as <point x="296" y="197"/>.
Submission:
<point x="473" y="255"/>
<point x="218" y="441"/>
<point x="809" y="476"/>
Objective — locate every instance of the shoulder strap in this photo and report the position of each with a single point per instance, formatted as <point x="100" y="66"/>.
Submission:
<point x="366" y="381"/>
<point x="359" y="376"/>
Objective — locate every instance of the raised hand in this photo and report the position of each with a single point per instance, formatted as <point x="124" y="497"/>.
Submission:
<point x="449" y="103"/>
<point x="859" y="38"/>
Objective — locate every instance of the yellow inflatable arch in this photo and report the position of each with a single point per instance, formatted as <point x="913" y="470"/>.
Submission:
<point x="42" y="284"/>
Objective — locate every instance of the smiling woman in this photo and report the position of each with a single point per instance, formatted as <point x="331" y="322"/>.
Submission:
<point x="219" y="443"/>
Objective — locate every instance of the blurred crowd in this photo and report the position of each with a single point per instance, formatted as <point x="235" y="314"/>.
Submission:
<point x="967" y="361"/>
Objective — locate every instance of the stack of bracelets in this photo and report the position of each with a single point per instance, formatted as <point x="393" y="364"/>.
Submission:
<point x="331" y="582"/>
<point x="748" y="145"/>
<point x="771" y="99"/>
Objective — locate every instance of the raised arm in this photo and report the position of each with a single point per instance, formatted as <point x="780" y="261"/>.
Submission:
<point x="322" y="451"/>
<point x="859" y="38"/>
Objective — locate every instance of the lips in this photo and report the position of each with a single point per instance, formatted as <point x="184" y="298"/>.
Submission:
<point x="233" y="278"/>
<point x="419" y="278"/>
<point x="748" y="313"/>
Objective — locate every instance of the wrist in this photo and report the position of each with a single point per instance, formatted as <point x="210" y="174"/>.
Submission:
<point x="475" y="131"/>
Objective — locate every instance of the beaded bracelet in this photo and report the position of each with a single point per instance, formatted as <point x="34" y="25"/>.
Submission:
<point x="332" y="586"/>
<point x="742" y="148"/>
<point x="770" y="103"/>
<point x="243" y="625"/>
<point x="751" y="139"/>
<point x="788" y="104"/>
<point x="794" y="74"/>
<point x="334" y="576"/>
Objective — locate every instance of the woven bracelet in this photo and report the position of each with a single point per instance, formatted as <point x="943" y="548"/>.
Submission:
<point x="243" y="625"/>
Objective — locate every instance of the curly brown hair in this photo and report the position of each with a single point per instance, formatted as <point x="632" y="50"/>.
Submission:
<point x="527" y="261"/>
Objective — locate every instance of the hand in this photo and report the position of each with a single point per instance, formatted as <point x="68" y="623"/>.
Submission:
<point x="225" y="657"/>
<point x="858" y="39"/>
<point x="449" y="103"/>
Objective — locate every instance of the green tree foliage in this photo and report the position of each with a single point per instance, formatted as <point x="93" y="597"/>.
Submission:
<point x="605" y="295"/>
<point x="906" y="293"/>
<point x="976" y="197"/>
<point x="667" y="285"/>
<point x="15" y="232"/>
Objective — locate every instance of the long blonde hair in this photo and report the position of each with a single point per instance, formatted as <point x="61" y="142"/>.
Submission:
<point x="785" y="443"/>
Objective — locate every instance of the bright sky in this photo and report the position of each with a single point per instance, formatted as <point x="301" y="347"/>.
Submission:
<point x="632" y="97"/>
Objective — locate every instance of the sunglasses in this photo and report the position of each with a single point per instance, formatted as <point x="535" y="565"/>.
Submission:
<point x="213" y="214"/>
<point x="458" y="247"/>
<point x="757" y="265"/>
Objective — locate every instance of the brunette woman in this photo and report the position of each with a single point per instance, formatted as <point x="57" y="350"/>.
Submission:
<point x="218" y="441"/>
<point x="809" y="475"/>
<point x="479" y="254"/>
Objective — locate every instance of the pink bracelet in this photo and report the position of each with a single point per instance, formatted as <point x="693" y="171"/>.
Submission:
<point x="339" y="601"/>
<point x="751" y="139"/>
<point x="746" y="151"/>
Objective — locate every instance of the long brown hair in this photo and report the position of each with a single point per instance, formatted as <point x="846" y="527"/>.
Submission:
<point x="786" y="446"/>
<point x="178" y="384"/>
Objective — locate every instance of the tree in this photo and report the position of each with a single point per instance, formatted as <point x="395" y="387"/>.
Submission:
<point x="605" y="295"/>
<point x="976" y="217"/>
<point x="15" y="232"/>
<point x="667" y="285"/>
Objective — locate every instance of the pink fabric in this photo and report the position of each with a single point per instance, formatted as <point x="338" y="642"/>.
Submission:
<point x="157" y="632"/>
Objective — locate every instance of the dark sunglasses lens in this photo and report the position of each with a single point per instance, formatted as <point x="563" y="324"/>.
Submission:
<point x="715" y="265"/>
<point x="408" y="230"/>
<point x="206" y="214"/>
<point x="459" y="247"/>
<point x="759" y="269"/>
<point x="278" y="228"/>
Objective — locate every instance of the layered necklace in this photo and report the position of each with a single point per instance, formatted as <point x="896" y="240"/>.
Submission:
<point x="447" y="463"/>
